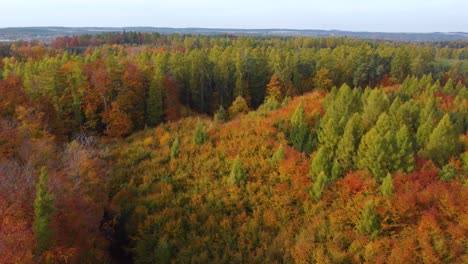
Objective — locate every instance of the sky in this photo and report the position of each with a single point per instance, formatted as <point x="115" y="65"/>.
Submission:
<point x="353" y="15"/>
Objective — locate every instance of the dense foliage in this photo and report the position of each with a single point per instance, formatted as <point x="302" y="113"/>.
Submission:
<point x="319" y="150"/>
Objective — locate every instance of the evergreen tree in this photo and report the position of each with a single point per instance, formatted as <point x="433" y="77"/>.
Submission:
<point x="375" y="153"/>
<point x="320" y="163"/>
<point x="154" y="103"/>
<point x="43" y="211"/>
<point x="175" y="148"/>
<point x="319" y="186"/>
<point x="238" y="106"/>
<point x="448" y="172"/>
<point x="238" y="176"/>
<point x="220" y="115"/>
<point x="347" y="147"/>
<point x="278" y="155"/>
<point x="387" y="186"/>
<point x="369" y="222"/>
<point x="329" y="134"/>
<point x="336" y="170"/>
<point x="404" y="159"/>
<point x="299" y="135"/>
<point x="443" y="142"/>
<point x="424" y="132"/>
<point x="199" y="135"/>
<point x="374" y="106"/>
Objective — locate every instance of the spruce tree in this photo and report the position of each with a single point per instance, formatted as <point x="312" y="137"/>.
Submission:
<point x="369" y="222"/>
<point x="199" y="135"/>
<point x="43" y="211"/>
<point x="238" y="176"/>
<point x="387" y="186"/>
<point x="443" y="142"/>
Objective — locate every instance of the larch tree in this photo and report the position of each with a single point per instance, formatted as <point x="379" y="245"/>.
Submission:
<point x="274" y="89"/>
<point x="443" y="142"/>
<point x="299" y="134"/>
<point x="319" y="186"/>
<point x="369" y="222"/>
<point x="237" y="176"/>
<point x="404" y="153"/>
<point x="43" y="212"/>
<point x="320" y="163"/>
<point x="387" y="188"/>
<point x="154" y="102"/>
<point x="199" y="135"/>
<point x="349" y="142"/>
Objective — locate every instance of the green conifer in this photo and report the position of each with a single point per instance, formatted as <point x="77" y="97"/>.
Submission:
<point x="43" y="211"/>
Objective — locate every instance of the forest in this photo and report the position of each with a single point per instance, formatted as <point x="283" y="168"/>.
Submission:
<point x="150" y="148"/>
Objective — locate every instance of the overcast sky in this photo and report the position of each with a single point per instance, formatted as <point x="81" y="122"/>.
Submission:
<point x="355" y="15"/>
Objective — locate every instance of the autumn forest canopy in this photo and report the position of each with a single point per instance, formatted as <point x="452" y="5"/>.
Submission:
<point x="148" y="148"/>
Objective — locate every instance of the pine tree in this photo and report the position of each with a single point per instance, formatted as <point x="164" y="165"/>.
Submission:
<point x="175" y="148"/>
<point x="199" y="135"/>
<point x="299" y="135"/>
<point x="43" y="211"/>
<point x="319" y="186"/>
<point x="369" y="222"/>
<point x="404" y="158"/>
<point x="238" y="176"/>
<point x="320" y="163"/>
<point x="387" y="186"/>
<point x="443" y="142"/>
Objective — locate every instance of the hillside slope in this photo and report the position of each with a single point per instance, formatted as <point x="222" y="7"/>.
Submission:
<point x="184" y="205"/>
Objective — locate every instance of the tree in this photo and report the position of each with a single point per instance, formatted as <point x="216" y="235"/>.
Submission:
<point x="322" y="80"/>
<point x="347" y="147"/>
<point x="43" y="211"/>
<point x="274" y="89"/>
<point x="443" y="142"/>
<point x="120" y="122"/>
<point x="238" y="106"/>
<point x="320" y="163"/>
<point x="238" y="176"/>
<point x="448" y="172"/>
<point x="374" y="106"/>
<point x="299" y="134"/>
<point x="278" y="155"/>
<point x="319" y="186"/>
<point x="404" y="159"/>
<point x="199" y="135"/>
<point x="154" y="103"/>
<point x="220" y="115"/>
<point x="387" y="186"/>
<point x="175" y="148"/>
<point x="369" y="222"/>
